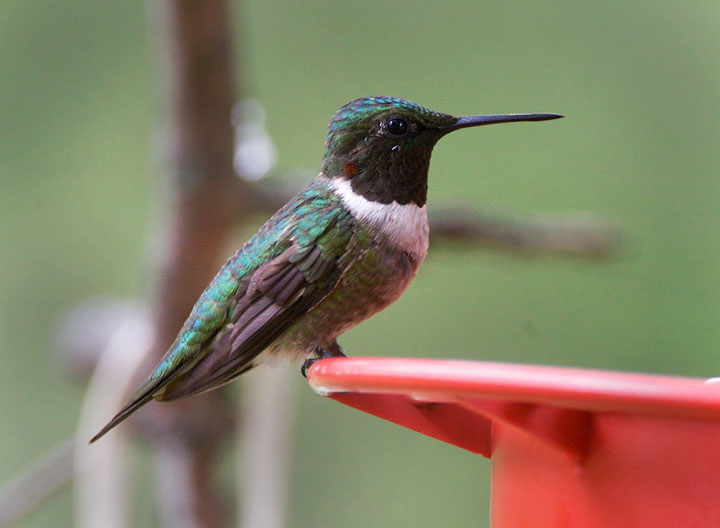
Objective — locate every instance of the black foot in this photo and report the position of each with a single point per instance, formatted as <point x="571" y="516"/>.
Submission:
<point x="309" y="362"/>
<point x="321" y="353"/>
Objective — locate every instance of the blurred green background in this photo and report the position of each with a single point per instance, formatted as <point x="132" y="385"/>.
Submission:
<point x="638" y="81"/>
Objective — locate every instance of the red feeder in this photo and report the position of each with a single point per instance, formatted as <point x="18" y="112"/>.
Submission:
<point x="569" y="447"/>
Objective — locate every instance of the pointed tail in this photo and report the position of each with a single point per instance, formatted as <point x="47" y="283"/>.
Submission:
<point x="144" y="394"/>
<point x="124" y="413"/>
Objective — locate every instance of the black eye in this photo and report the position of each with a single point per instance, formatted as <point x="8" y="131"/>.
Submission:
<point x="396" y="126"/>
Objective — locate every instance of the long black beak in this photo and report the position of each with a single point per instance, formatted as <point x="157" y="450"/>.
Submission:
<point x="471" y="121"/>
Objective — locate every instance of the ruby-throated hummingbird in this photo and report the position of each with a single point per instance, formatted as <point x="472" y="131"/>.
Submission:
<point x="343" y="249"/>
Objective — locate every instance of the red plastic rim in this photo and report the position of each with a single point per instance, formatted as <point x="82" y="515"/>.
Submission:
<point x="580" y="389"/>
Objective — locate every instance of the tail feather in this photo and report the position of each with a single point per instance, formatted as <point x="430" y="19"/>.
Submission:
<point x="144" y="394"/>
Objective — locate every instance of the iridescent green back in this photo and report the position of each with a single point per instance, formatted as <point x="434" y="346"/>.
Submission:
<point x="315" y="217"/>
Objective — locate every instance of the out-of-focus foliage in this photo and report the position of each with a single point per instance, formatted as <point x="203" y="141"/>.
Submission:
<point x="639" y="83"/>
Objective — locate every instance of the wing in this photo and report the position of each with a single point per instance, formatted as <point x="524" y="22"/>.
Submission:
<point x="269" y="303"/>
<point x="249" y="304"/>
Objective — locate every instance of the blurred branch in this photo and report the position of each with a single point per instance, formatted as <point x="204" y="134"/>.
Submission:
<point x="266" y="435"/>
<point x="576" y="234"/>
<point x="101" y="490"/>
<point x="36" y="483"/>
<point x="206" y="200"/>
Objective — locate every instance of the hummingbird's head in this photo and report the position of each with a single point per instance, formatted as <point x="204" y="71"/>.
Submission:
<point x="382" y="146"/>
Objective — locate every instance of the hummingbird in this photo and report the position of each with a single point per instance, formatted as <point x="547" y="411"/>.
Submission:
<point x="340" y="251"/>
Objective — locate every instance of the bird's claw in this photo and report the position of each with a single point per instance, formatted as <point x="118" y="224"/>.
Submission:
<point x="321" y="353"/>
<point x="309" y="362"/>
